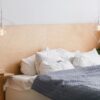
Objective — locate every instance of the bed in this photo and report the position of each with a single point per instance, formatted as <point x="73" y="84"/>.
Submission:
<point x="25" y="40"/>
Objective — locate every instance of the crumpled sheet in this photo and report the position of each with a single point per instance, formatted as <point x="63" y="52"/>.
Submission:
<point x="20" y="82"/>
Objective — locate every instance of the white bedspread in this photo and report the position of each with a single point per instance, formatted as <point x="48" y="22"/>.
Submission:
<point x="20" y="82"/>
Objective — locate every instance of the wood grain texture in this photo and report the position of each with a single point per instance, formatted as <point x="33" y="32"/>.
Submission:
<point x="1" y="86"/>
<point x="22" y="41"/>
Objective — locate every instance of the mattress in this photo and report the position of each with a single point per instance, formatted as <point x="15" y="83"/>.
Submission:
<point x="18" y="87"/>
<point x="13" y="94"/>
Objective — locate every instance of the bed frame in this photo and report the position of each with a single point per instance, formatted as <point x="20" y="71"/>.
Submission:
<point x="22" y="41"/>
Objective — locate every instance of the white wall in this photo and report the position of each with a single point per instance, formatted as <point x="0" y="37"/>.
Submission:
<point x="49" y="11"/>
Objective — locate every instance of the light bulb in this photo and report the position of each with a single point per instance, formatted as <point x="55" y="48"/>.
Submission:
<point x="98" y="27"/>
<point x="2" y="32"/>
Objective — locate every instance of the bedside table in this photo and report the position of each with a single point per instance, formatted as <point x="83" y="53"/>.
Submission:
<point x="1" y="86"/>
<point x="3" y="78"/>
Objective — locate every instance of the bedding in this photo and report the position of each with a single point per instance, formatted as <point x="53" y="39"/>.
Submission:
<point x="49" y="55"/>
<point x="50" y="60"/>
<point x="51" y="66"/>
<point x="18" y="87"/>
<point x="65" y="54"/>
<point x="91" y="53"/>
<point x="28" y="65"/>
<point x="74" y="84"/>
<point x="84" y="59"/>
<point x="20" y="82"/>
<point x="46" y="61"/>
<point x="81" y="60"/>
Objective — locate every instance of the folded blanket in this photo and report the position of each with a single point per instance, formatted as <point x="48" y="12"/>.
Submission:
<point x="75" y="84"/>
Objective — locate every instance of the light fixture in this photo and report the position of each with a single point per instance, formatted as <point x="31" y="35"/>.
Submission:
<point x="98" y="24"/>
<point x="98" y="19"/>
<point x="2" y="30"/>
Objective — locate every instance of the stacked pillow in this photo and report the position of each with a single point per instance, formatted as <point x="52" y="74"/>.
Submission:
<point x="28" y="65"/>
<point x="50" y="60"/>
<point x="50" y="66"/>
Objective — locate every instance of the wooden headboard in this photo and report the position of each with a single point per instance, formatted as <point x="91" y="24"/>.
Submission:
<point x="22" y="41"/>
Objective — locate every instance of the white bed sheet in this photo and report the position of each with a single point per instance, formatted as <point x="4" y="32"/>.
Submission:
<point x="20" y="82"/>
<point x="18" y="87"/>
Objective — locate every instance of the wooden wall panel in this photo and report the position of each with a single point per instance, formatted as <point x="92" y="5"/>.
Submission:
<point x="22" y="41"/>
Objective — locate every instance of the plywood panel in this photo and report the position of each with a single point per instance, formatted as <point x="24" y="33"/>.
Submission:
<point x="22" y="41"/>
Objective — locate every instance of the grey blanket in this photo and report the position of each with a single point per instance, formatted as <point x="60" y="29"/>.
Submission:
<point x="75" y="84"/>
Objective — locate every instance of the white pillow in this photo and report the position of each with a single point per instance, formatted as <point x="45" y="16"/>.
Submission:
<point x="96" y="60"/>
<point x="64" y="54"/>
<point x="52" y="60"/>
<point x="51" y="66"/>
<point x="91" y="53"/>
<point x="84" y="60"/>
<point x="49" y="55"/>
<point x="28" y="65"/>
